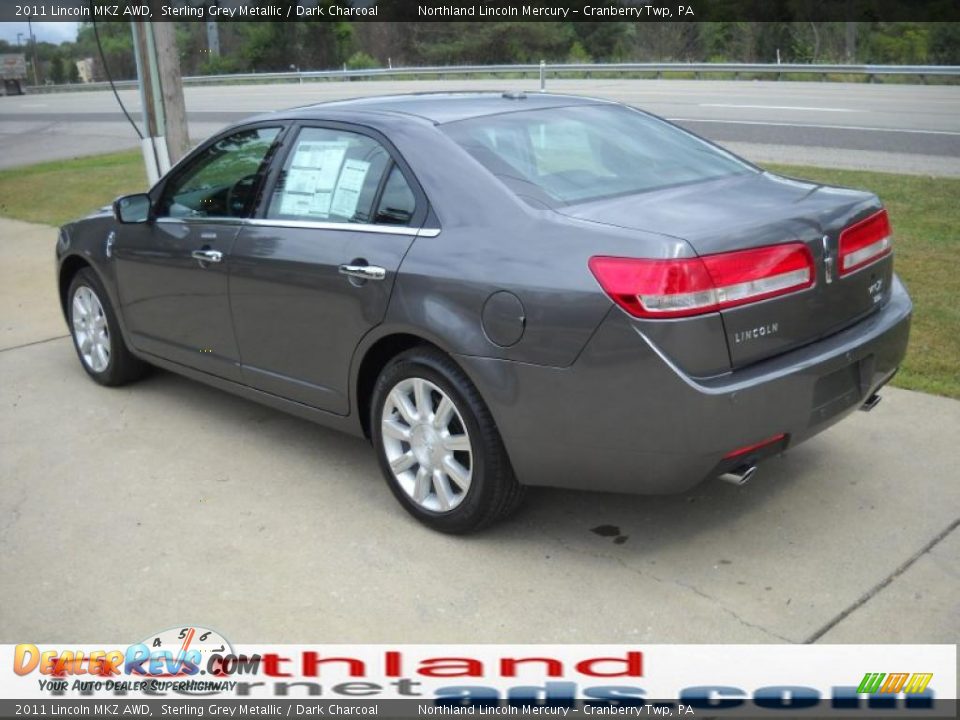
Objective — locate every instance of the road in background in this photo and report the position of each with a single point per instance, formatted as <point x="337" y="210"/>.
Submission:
<point x="886" y="127"/>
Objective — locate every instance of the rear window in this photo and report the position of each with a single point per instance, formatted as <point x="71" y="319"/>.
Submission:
<point x="574" y="154"/>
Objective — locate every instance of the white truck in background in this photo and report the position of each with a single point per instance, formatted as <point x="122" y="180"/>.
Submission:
<point x="13" y="71"/>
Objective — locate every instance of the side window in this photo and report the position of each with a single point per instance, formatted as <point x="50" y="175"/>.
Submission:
<point x="397" y="203"/>
<point x="223" y="180"/>
<point x="330" y="176"/>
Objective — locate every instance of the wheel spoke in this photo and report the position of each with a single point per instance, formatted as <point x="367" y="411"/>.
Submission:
<point x="457" y="472"/>
<point x="456" y="443"/>
<point x="444" y="414"/>
<point x="100" y="354"/>
<point x="401" y="401"/>
<point x="394" y="429"/>
<point x="421" y="487"/>
<point x="78" y="307"/>
<point x="402" y="463"/>
<point x="421" y="398"/>
<point x="442" y="489"/>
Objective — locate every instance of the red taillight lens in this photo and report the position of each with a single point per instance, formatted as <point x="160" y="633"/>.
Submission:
<point x="693" y="286"/>
<point x="865" y="242"/>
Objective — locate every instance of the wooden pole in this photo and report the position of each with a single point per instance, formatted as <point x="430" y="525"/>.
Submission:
<point x="171" y="86"/>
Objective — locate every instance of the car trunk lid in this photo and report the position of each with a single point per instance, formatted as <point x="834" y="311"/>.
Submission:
<point x="758" y="210"/>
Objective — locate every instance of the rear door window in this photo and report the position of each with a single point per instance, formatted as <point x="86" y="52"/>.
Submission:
<point x="330" y="176"/>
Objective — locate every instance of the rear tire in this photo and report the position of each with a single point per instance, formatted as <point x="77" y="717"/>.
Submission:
<point x="437" y="444"/>
<point x="96" y="333"/>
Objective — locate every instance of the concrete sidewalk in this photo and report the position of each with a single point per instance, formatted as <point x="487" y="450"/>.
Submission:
<point x="125" y="511"/>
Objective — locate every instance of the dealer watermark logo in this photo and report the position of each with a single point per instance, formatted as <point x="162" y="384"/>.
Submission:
<point x="174" y="659"/>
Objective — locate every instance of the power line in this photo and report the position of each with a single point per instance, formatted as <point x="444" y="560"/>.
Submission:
<point x="106" y="71"/>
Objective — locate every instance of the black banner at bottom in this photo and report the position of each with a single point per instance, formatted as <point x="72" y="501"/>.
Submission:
<point x="920" y="707"/>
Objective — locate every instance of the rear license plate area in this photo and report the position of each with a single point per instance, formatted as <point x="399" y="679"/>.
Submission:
<point x="836" y="392"/>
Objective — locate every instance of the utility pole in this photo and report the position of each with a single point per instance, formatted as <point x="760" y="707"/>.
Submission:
<point x="156" y="158"/>
<point x="161" y="96"/>
<point x="851" y="42"/>
<point x="213" y="38"/>
<point x="32" y="41"/>
<point x="171" y="85"/>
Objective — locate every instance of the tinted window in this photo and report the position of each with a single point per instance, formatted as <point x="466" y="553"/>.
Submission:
<point x="330" y="176"/>
<point x="223" y="180"/>
<point x="573" y="154"/>
<point x="398" y="203"/>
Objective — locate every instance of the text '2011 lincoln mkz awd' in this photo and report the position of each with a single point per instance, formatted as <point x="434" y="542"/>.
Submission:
<point x="499" y="291"/>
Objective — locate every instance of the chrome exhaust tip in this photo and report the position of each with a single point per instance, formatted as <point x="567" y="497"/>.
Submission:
<point x="871" y="402"/>
<point x="739" y="476"/>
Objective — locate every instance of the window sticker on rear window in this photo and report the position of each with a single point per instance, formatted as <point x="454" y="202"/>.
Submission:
<point x="311" y="178"/>
<point x="347" y="193"/>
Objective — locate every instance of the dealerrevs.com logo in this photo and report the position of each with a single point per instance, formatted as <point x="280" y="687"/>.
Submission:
<point x="162" y="661"/>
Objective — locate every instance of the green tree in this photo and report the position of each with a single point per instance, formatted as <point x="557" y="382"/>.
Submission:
<point x="897" y="43"/>
<point x="945" y="43"/>
<point x="117" y="41"/>
<point x="57" y="72"/>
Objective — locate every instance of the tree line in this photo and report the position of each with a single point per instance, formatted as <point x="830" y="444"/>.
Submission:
<point x="318" y="45"/>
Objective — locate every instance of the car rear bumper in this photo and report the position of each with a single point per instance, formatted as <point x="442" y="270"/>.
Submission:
<point x="625" y="418"/>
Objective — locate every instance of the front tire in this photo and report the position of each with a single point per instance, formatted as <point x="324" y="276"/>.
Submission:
<point x="438" y="446"/>
<point x="96" y="333"/>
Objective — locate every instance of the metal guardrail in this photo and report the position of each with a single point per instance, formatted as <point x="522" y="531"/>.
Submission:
<point x="547" y="70"/>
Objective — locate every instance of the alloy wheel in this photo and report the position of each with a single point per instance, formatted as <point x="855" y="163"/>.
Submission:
<point x="90" y="329"/>
<point x="427" y="445"/>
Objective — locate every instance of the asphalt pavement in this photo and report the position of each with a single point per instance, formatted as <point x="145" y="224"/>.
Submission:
<point x="886" y="127"/>
<point x="125" y="511"/>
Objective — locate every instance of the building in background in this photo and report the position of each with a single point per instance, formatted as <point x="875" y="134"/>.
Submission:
<point x="87" y="69"/>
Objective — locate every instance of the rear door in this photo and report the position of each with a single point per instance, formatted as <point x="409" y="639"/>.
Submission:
<point x="313" y="272"/>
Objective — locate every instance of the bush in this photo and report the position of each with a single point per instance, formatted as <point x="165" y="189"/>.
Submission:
<point x="578" y="54"/>
<point x="362" y="61"/>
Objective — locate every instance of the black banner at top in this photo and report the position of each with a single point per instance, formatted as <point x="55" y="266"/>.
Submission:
<point x="480" y="10"/>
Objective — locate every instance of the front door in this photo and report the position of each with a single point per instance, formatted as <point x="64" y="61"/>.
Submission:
<point x="172" y="272"/>
<point x="313" y="272"/>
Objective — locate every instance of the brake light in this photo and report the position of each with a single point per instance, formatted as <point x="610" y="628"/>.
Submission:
<point x="865" y="242"/>
<point x="693" y="286"/>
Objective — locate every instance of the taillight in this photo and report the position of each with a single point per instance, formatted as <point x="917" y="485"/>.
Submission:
<point x="693" y="286"/>
<point x="865" y="242"/>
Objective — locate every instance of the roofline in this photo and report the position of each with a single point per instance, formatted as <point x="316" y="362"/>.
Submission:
<point x="355" y="104"/>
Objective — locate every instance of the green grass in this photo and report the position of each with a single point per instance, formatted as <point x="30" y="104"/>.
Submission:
<point x="925" y="213"/>
<point x="56" y="192"/>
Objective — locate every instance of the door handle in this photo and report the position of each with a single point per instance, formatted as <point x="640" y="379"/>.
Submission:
<point x="206" y="256"/>
<point x="364" y="272"/>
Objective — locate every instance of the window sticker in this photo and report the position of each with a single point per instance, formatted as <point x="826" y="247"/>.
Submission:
<point x="312" y="177"/>
<point x="347" y="193"/>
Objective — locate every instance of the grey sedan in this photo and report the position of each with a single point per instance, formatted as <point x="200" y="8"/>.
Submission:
<point x="499" y="291"/>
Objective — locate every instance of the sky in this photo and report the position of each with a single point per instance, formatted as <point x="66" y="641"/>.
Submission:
<point x="54" y="32"/>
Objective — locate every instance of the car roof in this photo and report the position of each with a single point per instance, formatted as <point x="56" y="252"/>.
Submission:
<point x="441" y="107"/>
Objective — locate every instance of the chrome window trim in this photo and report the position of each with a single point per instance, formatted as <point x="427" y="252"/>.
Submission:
<point x="344" y="227"/>
<point x="200" y="220"/>
<point x="303" y="224"/>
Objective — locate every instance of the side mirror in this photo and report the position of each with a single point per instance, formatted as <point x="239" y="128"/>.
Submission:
<point x="132" y="208"/>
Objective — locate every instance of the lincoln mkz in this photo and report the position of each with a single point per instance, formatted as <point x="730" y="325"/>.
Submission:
<point x="500" y="291"/>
